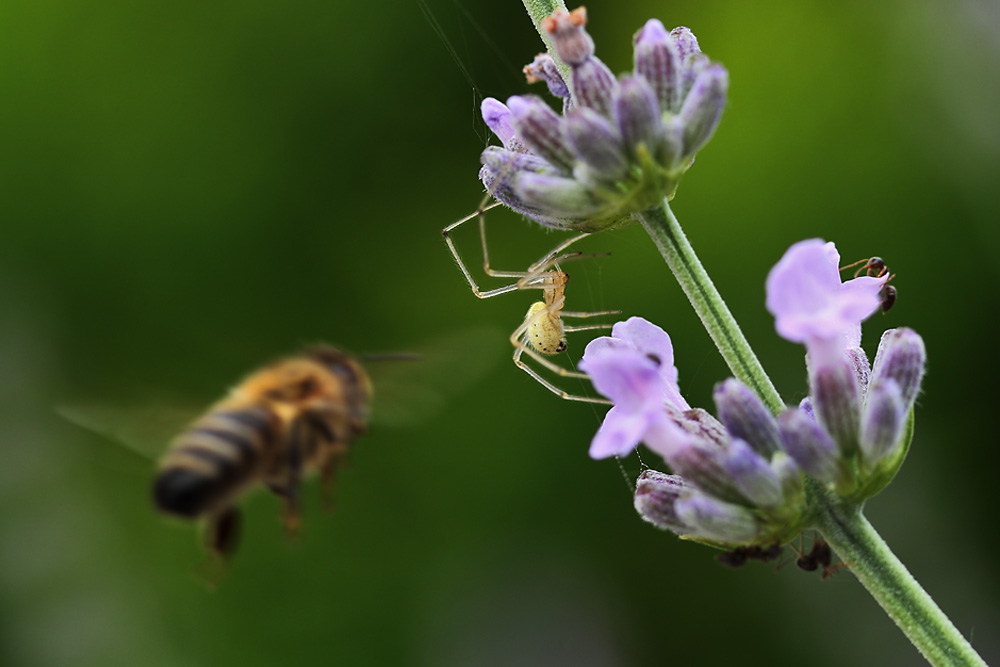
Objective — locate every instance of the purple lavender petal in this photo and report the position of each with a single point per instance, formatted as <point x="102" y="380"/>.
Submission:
<point x="597" y="143"/>
<point x="702" y="108"/>
<point x="752" y="476"/>
<point x="650" y="340"/>
<point x="715" y="519"/>
<point x="497" y="117"/>
<point x="806" y="406"/>
<point x="620" y="433"/>
<point x="625" y="376"/>
<point x="540" y="129"/>
<point x="657" y="60"/>
<point x="569" y="37"/>
<point x="807" y="299"/>
<point x="637" y="114"/>
<point x="543" y="68"/>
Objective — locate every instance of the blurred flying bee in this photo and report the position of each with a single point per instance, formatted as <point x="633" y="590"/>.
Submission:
<point x="875" y="267"/>
<point x="288" y="419"/>
<point x="543" y="331"/>
<point x="284" y="420"/>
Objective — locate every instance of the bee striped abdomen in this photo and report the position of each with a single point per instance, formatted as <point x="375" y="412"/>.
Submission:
<point x="213" y="459"/>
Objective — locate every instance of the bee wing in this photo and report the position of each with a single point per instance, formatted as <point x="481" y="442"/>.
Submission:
<point x="146" y="429"/>
<point x="417" y="385"/>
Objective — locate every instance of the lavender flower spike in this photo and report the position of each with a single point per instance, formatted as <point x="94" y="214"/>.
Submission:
<point x="858" y="434"/>
<point x="723" y="490"/>
<point x="627" y="142"/>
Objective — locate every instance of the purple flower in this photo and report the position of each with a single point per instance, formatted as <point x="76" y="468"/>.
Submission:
<point x="634" y="367"/>
<point x="809" y="303"/>
<point x="622" y="145"/>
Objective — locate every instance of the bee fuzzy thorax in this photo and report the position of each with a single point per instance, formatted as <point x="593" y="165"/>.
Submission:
<point x="281" y="422"/>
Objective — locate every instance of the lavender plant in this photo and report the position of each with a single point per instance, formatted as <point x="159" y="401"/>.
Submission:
<point x="759" y="472"/>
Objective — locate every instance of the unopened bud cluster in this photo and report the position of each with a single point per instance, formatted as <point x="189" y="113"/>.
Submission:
<point x="740" y="478"/>
<point x="734" y="483"/>
<point x="854" y="430"/>
<point x="621" y="145"/>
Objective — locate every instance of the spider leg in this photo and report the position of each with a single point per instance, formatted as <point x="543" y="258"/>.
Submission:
<point x="521" y="347"/>
<point x="480" y="293"/>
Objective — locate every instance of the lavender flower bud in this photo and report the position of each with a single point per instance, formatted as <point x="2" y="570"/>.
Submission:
<point x="572" y="43"/>
<point x="508" y="176"/>
<point x="837" y="401"/>
<point x="703" y="106"/>
<point x="690" y="70"/>
<point x="543" y="68"/>
<point x="501" y="168"/>
<point x="630" y="164"/>
<point x="746" y="417"/>
<point x="558" y="195"/>
<point x="809" y="446"/>
<point x="637" y="114"/>
<point x="862" y="369"/>
<point x="596" y="143"/>
<point x="540" y="129"/>
<point x="594" y="86"/>
<point x="497" y="117"/>
<point x="686" y="43"/>
<point x="882" y="426"/>
<point x="701" y="424"/>
<point x="655" y="495"/>
<point x="751" y="474"/>
<point x="658" y="61"/>
<point x="703" y="465"/>
<point x="715" y="519"/>
<point x="901" y="357"/>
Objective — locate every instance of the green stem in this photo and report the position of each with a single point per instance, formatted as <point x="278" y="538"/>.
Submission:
<point x="538" y="10"/>
<point x="666" y="232"/>
<point x="854" y="539"/>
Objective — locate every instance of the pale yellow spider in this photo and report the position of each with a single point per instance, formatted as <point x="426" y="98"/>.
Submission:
<point x="543" y="331"/>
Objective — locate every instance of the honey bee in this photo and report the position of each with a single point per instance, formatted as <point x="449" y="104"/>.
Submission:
<point x="543" y="331"/>
<point x="283" y="421"/>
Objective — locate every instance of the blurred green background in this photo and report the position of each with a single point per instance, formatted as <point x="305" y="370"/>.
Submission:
<point x="188" y="189"/>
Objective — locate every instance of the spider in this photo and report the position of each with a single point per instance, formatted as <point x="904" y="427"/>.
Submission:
<point x="543" y="331"/>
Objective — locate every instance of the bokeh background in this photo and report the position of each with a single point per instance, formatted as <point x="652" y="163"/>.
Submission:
<point x="188" y="189"/>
